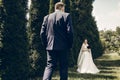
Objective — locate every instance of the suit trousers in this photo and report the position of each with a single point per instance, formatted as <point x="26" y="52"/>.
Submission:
<point x="54" y="57"/>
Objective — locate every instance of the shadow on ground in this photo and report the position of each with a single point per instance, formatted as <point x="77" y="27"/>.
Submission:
<point x="91" y="76"/>
<point x="108" y="70"/>
<point x="108" y="63"/>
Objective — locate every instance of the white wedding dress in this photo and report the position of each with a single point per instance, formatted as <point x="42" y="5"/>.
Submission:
<point x="85" y="62"/>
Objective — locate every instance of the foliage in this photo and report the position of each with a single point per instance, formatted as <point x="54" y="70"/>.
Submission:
<point x="118" y="30"/>
<point x="110" y="40"/>
<point x="67" y="5"/>
<point x="15" y="64"/>
<point x="1" y="23"/>
<point x="20" y="42"/>
<point x="2" y="15"/>
<point x="51" y="5"/>
<point x="85" y="27"/>
<point x="38" y="10"/>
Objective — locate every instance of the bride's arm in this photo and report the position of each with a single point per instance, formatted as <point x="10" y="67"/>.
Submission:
<point x="84" y="48"/>
<point x="89" y="50"/>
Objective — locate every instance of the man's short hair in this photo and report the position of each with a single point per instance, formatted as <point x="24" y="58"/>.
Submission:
<point x="59" y="5"/>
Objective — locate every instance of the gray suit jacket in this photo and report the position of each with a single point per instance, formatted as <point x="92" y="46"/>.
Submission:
<point x="57" y="32"/>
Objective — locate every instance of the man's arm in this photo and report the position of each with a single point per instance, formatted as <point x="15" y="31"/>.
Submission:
<point x="69" y="30"/>
<point x="43" y="31"/>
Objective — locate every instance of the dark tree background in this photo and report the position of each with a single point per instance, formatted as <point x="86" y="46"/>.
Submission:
<point x="51" y="5"/>
<point x="38" y="9"/>
<point x="15" y="63"/>
<point x="85" y="27"/>
<point x="1" y="30"/>
<point x="22" y="54"/>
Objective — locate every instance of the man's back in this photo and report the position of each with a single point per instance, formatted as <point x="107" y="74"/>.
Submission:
<point x="57" y="29"/>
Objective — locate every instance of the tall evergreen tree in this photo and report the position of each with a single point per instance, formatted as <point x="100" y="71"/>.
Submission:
<point x="37" y="51"/>
<point x="38" y="9"/>
<point x="67" y="5"/>
<point x="1" y="22"/>
<point x="118" y="30"/>
<point x="15" y="43"/>
<point x="1" y="30"/>
<point x="85" y="27"/>
<point x="51" y="5"/>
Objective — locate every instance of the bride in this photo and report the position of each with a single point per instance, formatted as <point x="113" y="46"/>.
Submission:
<point x="85" y="62"/>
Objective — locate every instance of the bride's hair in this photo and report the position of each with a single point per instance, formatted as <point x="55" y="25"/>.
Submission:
<point x="85" y="40"/>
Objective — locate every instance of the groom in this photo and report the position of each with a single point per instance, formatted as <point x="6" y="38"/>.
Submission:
<point x="57" y="36"/>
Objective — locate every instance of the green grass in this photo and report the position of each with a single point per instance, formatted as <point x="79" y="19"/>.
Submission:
<point x="109" y="65"/>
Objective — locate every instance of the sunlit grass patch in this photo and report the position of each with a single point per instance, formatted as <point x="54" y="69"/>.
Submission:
<point x="73" y="75"/>
<point x="108" y="64"/>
